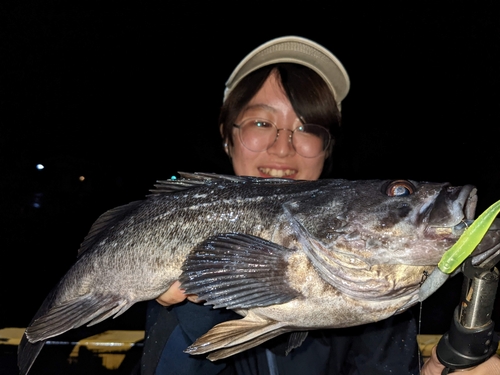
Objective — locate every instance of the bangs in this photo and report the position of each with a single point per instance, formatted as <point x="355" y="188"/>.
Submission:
<point x="310" y="96"/>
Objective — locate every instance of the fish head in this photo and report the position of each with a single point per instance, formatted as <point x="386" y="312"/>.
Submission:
<point x="368" y="222"/>
<point x="379" y="240"/>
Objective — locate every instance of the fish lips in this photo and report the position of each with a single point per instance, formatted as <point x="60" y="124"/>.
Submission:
<point x="453" y="207"/>
<point x="487" y="252"/>
<point x="462" y="203"/>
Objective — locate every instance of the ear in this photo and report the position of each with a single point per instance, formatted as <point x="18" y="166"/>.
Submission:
<point x="225" y="143"/>
<point x="226" y="148"/>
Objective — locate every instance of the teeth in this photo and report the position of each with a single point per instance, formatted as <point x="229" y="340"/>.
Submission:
<point x="278" y="172"/>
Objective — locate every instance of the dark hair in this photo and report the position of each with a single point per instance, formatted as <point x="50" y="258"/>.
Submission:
<point x="310" y="96"/>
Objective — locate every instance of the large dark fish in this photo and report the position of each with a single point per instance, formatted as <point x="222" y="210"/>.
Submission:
<point x="287" y="255"/>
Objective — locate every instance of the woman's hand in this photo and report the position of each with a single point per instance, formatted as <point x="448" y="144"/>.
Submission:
<point x="174" y="295"/>
<point x="434" y="367"/>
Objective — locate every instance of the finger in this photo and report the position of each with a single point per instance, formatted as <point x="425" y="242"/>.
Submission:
<point x="173" y="295"/>
<point x="432" y="366"/>
<point x="194" y="298"/>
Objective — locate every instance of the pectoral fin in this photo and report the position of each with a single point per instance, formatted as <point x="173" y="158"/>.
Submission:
<point x="238" y="271"/>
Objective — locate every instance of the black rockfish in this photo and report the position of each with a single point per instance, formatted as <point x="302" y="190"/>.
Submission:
<point x="288" y="255"/>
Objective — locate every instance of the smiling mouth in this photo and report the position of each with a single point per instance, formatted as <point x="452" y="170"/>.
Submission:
<point x="278" y="172"/>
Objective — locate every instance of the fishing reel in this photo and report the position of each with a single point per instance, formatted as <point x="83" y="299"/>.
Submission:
<point x="471" y="339"/>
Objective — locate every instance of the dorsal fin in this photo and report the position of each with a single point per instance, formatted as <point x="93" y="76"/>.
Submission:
<point x="191" y="180"/>
<point x="103" y="222"/>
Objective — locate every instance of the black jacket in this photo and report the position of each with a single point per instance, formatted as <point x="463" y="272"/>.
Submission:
<point x="389" y="346"/>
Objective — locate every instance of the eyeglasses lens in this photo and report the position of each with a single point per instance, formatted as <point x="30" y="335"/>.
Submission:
<point x="308" y="140"/>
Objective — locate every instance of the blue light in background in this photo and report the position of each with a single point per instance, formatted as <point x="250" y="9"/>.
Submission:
<point x="37" y="200"/>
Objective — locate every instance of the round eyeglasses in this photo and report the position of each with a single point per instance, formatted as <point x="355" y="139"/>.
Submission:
<point x="308" y="140"/>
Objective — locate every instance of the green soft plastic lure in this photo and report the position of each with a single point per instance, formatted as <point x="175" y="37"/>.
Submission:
<point x="468" y="240"/>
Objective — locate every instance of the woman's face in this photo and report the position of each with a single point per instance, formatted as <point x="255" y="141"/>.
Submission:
<point x="280" y="160"/>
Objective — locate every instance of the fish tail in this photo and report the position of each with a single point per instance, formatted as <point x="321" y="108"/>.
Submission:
<point x="27" y="352"/>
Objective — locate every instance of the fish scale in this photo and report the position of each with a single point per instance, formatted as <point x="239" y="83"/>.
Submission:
<point x="286" y="255"/>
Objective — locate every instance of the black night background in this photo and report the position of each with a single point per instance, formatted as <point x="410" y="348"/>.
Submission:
<point x="110" y="96"/>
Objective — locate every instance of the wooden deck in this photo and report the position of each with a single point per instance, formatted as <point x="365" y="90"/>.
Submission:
<point x="110" y="352"/>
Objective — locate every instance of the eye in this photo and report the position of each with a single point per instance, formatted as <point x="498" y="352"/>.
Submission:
<point x="399" y="188"/>
<point x="310" y="129"/>
<point x="261" y="124"/>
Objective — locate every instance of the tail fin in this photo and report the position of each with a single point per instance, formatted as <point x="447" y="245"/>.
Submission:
<point x="27" y="352"/>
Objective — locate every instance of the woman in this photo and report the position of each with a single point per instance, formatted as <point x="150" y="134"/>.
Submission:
<point x="280" y="117"/>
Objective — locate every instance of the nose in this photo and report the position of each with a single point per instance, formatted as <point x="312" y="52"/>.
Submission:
<point x="282" y="146"/>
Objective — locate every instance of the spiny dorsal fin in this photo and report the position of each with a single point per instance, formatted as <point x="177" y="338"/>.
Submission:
<point x="191" y="180"/>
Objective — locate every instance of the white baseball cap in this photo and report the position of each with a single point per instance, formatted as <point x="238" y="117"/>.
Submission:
<point x="298" y="50"/>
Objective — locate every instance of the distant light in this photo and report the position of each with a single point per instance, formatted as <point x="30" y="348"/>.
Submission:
<point x="40" y="167"/>
<point x="37" y="200"/>
<point x="81" y="178"/>
<point x="173" y="178"/>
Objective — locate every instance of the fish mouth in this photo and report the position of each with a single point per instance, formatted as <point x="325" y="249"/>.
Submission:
<point x="465" y="205"/>
<point x="454" y="208"/>
<point x="487" y="252"/>
<point x="468" y="195"/>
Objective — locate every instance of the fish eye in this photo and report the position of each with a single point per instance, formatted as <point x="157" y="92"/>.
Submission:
<point x="399" y="188"/>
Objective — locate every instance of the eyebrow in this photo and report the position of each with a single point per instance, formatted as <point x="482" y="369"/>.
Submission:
<point x="259" y="106"/>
